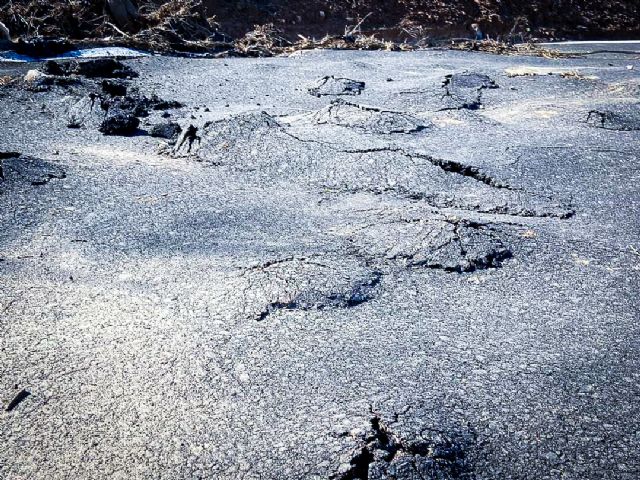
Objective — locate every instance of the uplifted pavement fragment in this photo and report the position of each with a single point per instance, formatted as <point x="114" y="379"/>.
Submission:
<point x="331" y="85"/>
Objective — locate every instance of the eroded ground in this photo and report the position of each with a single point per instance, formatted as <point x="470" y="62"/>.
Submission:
<point x="337" y="265"/>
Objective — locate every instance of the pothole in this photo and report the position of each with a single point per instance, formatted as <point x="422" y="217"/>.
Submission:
<point x="384" y="454"/>
<point x="463" y="91"/>
<point x="623" y="117"/>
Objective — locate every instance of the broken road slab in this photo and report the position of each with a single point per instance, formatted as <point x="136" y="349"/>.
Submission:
<point x="360" y="283"/>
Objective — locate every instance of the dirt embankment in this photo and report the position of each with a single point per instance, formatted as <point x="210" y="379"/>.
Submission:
<point x="204" y="25"/>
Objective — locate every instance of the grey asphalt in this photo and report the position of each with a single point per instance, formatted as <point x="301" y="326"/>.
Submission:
<point x="417" y="281"/>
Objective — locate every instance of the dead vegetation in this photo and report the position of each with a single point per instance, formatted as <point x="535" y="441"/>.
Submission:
<point x="196" y="26"/>
<point x="504" y="48"/>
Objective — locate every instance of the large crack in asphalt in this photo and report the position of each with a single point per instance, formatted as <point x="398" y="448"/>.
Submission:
<point x="384" y="454"/>
<point x="257" y="143"/>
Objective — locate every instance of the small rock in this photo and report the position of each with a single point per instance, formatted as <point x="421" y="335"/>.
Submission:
<point x="119" y="122"/>
<point x="169" y="130"/>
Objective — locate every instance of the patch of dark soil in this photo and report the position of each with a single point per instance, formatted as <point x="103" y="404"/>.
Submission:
<point x="431" y="455"/>
<point x="336" y="86"/>
<point x="623" y="117"/>
<point x="464" y="90"/>
<point x="453" y="245"/>
<point x="367" y="119"/>
<point x="119" y="122"/>
<point x="28" y="170"/>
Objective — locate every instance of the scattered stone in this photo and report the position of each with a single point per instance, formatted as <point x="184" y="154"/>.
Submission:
<point x="119" y="122"/>
<point x="331" y="85"/>
<point x="33" y="76"/>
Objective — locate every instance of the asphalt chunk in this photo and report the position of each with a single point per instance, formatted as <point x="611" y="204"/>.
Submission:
<point x="367" y="119"/>
<point x="453" y="245"/>
<point x="331" y="85"/>
<point x="463" y="91"/>
<point x="306" y="284"/>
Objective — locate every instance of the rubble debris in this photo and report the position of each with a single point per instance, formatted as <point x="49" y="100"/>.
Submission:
<point x="331" y="85"/>
<point x="367" y="119"/>
<point x="432" y="454"/>
<point x="17" y="400"/>
<point x="82" y="110"/>
<point x="139" y="105"/>
<point x="16" y="168"/>
<point x="623" y="117"/>
<point x="168" y="130"/>
<point x="119" y="122"/>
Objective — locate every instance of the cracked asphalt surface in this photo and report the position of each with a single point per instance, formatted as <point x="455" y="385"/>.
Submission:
<point x="350" y="265"/>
